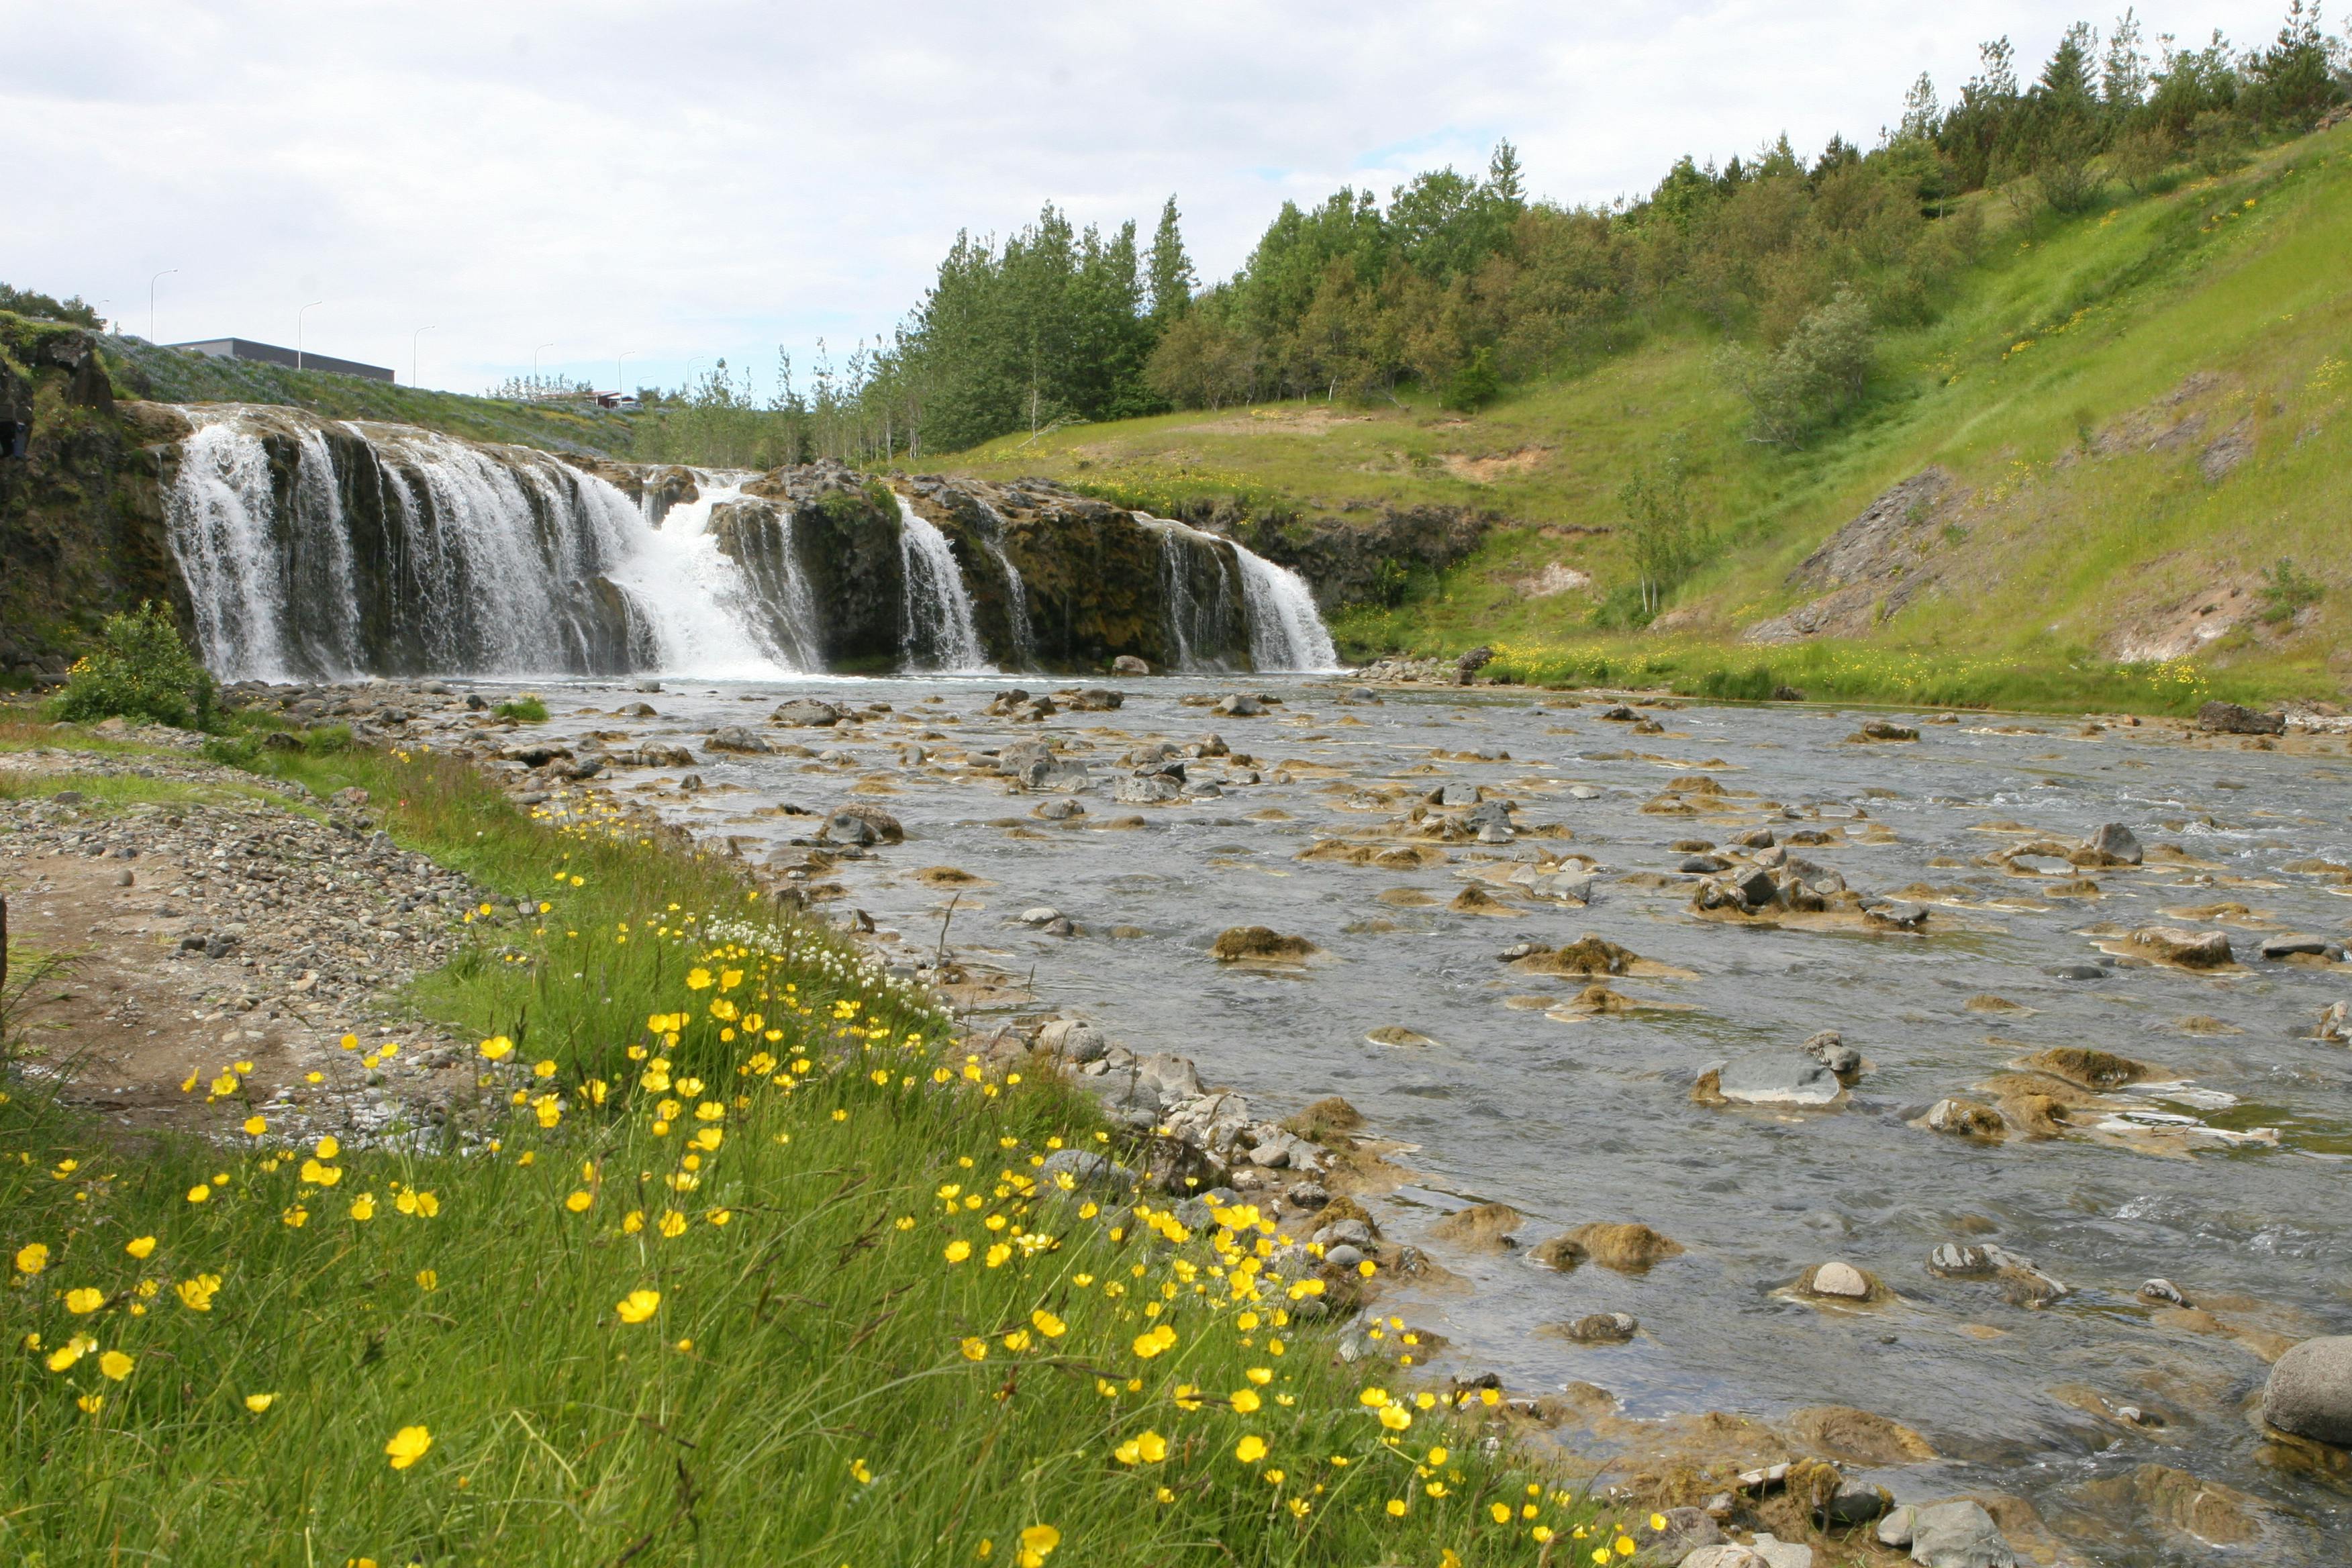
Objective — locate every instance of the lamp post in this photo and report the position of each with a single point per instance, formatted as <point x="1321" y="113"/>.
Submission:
<point x="298" y="330"/>
<point x="689" y="372"/>
<point x="151" y="299"/>
<point x="411" y="352"/>
<point x="617" y="389"/>
<point x="534" y="367"/>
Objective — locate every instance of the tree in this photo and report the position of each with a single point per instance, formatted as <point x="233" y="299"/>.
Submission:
<point x="1171" y="269"/>
<point x="2123" y="75"/>
<point x="1661" y="531"/>
<point x="2292" y="81"/>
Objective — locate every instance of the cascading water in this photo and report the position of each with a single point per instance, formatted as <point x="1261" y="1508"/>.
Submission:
<point x="1197" y="624"/>
<point x="764" y="627"/>
<point x="938" y="631"/>
<point x="1016" y="593"/>
<point x="221" y="514"/>
<point x="319" y="550"/>
<point x="1286" y="632"/>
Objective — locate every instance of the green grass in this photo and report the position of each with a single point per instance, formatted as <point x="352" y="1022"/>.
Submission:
<point x="2076" y="327"/>
<point x="823" y="1377"/>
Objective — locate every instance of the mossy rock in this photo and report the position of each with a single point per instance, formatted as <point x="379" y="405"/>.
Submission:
<point x="1261" y="945"/>
<point x="2086" y="1068"/>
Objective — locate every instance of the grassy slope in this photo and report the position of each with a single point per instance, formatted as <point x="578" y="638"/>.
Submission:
<point x="2120" y="306"/>
<point x="824" y="1378"/>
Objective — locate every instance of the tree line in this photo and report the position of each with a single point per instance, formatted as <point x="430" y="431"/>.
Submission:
<point x="1458" y="285"/>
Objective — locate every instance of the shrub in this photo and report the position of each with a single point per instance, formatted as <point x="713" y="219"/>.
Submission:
<point x="2286" y="590"/>
<point x="526" y="709"/>
<point x="140" y="669"/>
<point x="1813" y="377"/>
<point x="1474" y="385"/>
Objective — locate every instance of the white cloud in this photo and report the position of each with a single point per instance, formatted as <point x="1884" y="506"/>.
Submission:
<point x="717" y="179"/>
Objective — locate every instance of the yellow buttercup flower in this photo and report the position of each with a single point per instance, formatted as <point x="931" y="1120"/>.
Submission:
<point x="140" y="1247"/>
<point x="1038" y="1544"/>
<point x="32" y="1257"/>
<point x="974" y="1349"/>
<point x="1052" y="1327"/>
<point x="578" y="1202"/>
<point x="84" y="1302"/>
<point x="257" y="1403"/>
<point x="1250" y="1449"/>
<point x="638" y="1305"/>
<point x="407" y="1446"/>
<point x="364" y="1206"/>
<point x="328" y="1147"/>
<point x="199" y="1193"/>
<point x="196" y="1294"/>
<point x="115" y="1364"/>
<point x="255" y="1126"/>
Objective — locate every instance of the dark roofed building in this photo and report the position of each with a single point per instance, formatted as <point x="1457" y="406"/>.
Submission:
<point x="270" y="354"/>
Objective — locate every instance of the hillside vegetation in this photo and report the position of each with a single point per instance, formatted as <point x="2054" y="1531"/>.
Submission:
<point x="2126" y="415"/>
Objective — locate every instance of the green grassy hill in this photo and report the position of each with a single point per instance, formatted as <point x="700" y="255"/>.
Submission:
<point x="2124" y="418"/>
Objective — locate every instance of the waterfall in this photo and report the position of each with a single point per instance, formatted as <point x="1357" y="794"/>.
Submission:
<point x="1285" y="631"/>
<point x="1016" y="593"/>
<point x="313" y="549"/>
<point x="221" y="515"/>
<point x="767" y="620"/>
<point x="1204" y="631"/>
<point x="937" y="630"/>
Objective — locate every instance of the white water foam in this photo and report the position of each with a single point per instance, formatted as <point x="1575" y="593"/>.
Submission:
<point x="220" y="525"/>
<point x="706" y="619"/>
<point x="938" y="632"/>
<point x="1286" y="631"/>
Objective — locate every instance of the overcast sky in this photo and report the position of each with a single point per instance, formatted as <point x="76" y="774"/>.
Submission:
<point x="718" y="179"/>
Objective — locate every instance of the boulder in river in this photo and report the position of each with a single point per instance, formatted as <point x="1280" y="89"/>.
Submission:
<point x="1883" y="730"/>
<point x="1587" y="954"/>
<point x="806" y="711"/>
<point x="1858" y="1437"/>
<point x="1128" y="664"/>
<point x="1965" y="1118"/>
<point x="2114" y="845"/>
<point x="2309" y="1394"/>
<point x="1840" y="1281"/>
<point x="1239" y="705"/>
<point x="2234" y="719"/>
<point x="2188" y="949"/>
<point x="1485" y="1226"/>
<point x="1627" y="1248"/>
<point x="737" y="738"/>
<point x="1769" y="1078"/>
<point x="862" y="825"/>
<point x="2086" y="1067"/>
<point x="1261" y="945"/>
<point x="1958" y="1534"/>
<point x="1602" y="1328"/>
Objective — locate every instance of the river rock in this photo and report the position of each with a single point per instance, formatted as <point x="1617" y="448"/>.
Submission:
<point x="1955" y="1535"/>
<point x="1883" y="730"/>
<point x="2162" y="1291"/>
<point x="2189" y="949"/>
<point x="2114" y="844"/>
<point x="1854" y="1502"/>
<point x="1238" y="705"/>
<point x="808" y="712"/>
<point x="1965" y="1118"/>
<point x="862" y="825"/>
<point x="1481" y="1225"/>
<point x="1773" y="1079"/>
<point x="1238" y="944"/>
<point x="1087" y="1169"/>
<point x="1779" y="1553"/>
<point x="1128" y="664"/>
<point x="1730" y="1554"/>
<point x="1627" y="1248"/>
<point x="2298" y="944"/>
<point x="1151" y="789"/>
<point x="1073" y="1040"/>
<point x="1829" y="1048"/>
<point x="1839" y="1280"/>
<point x="2309" y="1393"/>
<point x="736" y="737"/>
<point x="1603" y="1329"/>
<point x="1686" y="1530"/>
<point x="2233" y="719"/>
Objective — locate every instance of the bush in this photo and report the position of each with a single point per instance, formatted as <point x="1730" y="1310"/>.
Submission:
<point x="525" y="710"/>
<point x="140" y="669"/>
<point x="1473" y="385"/>
<point x="2286" y="590"/>
<point x="1813" y="377"/>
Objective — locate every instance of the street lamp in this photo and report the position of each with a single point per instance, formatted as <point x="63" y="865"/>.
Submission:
<point x="534" y="367"/>
<point x="616" y="369"/>
<point x="689" y="372"/>
<point x="411" y="352"/>
<point x="151" y="299"/>
<point x="298" y="330"/>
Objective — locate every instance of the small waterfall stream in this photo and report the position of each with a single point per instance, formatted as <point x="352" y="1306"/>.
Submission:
<point x="1286" y="633"/>
<point x="1016" y="593"/>
<point x="680" y="563"/>
<point x="938" y="630"/>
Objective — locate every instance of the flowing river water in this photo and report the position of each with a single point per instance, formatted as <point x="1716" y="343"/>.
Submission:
<point x="2227" y="1176"/>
